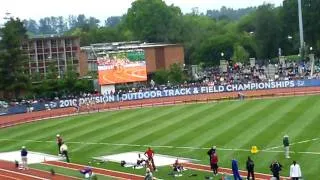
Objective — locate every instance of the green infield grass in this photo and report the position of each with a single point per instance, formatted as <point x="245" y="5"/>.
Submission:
<point x="185" y="131"/>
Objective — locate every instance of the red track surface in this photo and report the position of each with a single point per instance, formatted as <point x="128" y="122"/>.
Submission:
<point x="205" y="168"/>
<point x="9" y="171"/>
<point x="105" y="172"/>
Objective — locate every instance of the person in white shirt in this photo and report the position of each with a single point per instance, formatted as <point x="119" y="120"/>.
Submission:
<point x="295" y="171"/>
<point x="64" y="151"/>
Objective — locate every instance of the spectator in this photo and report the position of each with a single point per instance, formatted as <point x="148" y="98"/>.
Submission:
<point x="295" y="171"/>
<point x="24" y="158"/>
<point x="250" y="168"/>
<point x="275" y="168"/>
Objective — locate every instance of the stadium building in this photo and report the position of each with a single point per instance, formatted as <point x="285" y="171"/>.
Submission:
<point x="58" y="51"/>
<point x="128" y="62"/>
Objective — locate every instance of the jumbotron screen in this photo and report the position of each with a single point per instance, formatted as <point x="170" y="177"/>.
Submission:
<point x="122" y="67"/>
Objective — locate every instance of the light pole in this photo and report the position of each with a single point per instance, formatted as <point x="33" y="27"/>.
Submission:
<point x="301" y="29"/>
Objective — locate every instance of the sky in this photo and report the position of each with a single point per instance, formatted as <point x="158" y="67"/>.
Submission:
<point x="102" y="9"/>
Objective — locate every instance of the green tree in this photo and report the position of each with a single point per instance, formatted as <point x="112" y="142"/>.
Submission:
<point x="154" y="21"/>
<point x="240" y="54"/>
<point x="267" y="32"/>
<point x="161" y="76"/>
<point x="176" y="74"/>
<point x="13" y="76"/>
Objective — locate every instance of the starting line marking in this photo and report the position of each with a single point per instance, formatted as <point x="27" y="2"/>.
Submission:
<point x="268" y="150"/>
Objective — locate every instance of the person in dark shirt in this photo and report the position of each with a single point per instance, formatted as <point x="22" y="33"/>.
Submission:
<point x="275" y="168"/>
<point x="211" y="151"/>
<point x="250" y="168"/>
<point x="59" y="143"/>
<point x="24" y="159"/>
<point x="286" y="145"/>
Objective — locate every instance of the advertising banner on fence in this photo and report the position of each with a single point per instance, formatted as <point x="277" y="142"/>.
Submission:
<point x="166" y="93"/>
<point x="188" y="91"/>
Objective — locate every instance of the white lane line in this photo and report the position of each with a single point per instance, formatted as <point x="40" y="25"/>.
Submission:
<point x="27" y="175"/>
<point x="9" y="177"/>
<point x="300" y="142"/>
<point x="268" y="150"/>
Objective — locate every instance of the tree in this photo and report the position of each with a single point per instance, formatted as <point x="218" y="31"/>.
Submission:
<point x="61" y="25"/>
<point x="176" y="74"/>
<point x="154" y="21"/>
<point x="232" y="14"/>
<point x="240" y="54"/>
<point x="161" y="76"/>
<point x="113" y="21"/>
<point x="267" y="32"/>
<point x="12" y="60"/>
<point x="47" y="25"/>
<point x="31" y="25"/>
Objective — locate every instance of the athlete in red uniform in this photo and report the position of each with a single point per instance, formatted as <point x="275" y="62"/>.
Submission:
<point x="214" y="163"/>
<point x="149" y="154"/>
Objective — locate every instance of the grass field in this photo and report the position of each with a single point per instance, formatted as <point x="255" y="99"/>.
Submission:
<point x="232" y="126"/>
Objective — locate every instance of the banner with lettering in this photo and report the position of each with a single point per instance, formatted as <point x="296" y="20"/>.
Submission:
<point x="162" y="93"/>
<point x="186" y="91"/>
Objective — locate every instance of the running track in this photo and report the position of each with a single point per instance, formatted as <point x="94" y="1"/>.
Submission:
<point x="105" y="172"/>
<point x="10" y="172"/>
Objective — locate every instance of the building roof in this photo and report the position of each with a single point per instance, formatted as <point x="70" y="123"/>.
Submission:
<point x="50" y="36"/>
<point x="102" y="48"/>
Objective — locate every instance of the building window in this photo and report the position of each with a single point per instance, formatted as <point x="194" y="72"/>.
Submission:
<point x="68" y="42"/>
<point x="40" y="57"/>
<point x="68" y="55"/>
<point x="61" y="44"/>
<point x="53" y="43"/>
<point x="74" y="55"/>
<point x="25" y="46"/>
<point x="32" y="57"/>
<point x="39" y="44"/>
<point x="54" y="56"/>
<point x="46" y="44"/>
